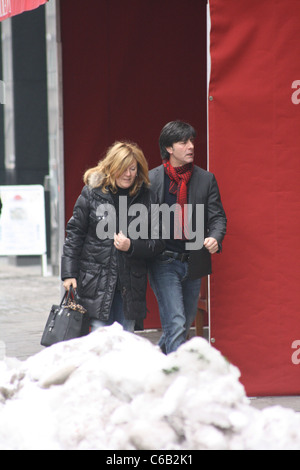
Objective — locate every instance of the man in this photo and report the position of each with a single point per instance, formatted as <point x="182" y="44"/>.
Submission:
<point x="175" y="275"/>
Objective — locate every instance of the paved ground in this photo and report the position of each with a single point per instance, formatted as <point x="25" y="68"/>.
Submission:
<point x="25" y="301"/>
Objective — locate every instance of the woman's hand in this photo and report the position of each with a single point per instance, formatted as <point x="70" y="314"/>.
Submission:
<point x="121" y="242"/>
<point x="70" y="282"/>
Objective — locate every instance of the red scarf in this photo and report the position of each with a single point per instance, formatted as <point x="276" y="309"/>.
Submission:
<point x="180" y="177"/>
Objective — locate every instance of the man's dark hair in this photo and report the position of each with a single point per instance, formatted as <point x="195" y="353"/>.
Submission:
<point x="174" y="131"/>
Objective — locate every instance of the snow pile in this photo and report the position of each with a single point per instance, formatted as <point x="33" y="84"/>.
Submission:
<point x="116" y="391"/>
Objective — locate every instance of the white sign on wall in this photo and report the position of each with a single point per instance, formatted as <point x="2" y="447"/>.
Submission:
<point x="22" y="221"/>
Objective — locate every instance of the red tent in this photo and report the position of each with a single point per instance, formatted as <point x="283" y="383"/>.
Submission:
<point x="254" y="142"/>
<point x="14" y="7"/>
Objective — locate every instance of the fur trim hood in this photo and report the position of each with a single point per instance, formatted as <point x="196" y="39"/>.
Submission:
<point x="95" y="180"/>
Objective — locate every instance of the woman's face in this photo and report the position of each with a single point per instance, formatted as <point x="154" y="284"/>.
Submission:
<point x="126" y="180"/>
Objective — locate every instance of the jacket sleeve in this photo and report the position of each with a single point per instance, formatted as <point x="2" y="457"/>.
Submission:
<point x="217" y="221"/>
<point x="77" y="229"/>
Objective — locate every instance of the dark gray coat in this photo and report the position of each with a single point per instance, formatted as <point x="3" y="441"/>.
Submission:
<point x="97" y="264"/>
<point x="202" y="189"/>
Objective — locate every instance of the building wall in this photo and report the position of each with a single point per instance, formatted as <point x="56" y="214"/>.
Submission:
<point x="30" y="97"/>
<point x="24" y="152"/>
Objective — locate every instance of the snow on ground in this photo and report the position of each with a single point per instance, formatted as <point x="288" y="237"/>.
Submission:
<point x="113" y="390"/>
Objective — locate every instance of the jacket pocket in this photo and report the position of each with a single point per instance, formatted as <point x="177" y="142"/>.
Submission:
<point x="88" y="283"/>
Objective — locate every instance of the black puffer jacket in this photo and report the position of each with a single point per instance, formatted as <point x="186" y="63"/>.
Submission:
<point x="98" y="266"/>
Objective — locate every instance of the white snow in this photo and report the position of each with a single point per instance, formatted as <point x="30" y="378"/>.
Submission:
<point x="113" y="390"/>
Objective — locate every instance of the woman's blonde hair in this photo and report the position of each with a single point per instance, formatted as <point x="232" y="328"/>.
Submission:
<point x="118" y="158"/>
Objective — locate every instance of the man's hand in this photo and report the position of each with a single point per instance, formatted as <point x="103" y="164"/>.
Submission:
<point x="211" y="245"/>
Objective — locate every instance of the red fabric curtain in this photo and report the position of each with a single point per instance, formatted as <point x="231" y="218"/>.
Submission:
<point x="254" y="139"/>
<point x="125" y="76"/>
<point x="14" y="7"/>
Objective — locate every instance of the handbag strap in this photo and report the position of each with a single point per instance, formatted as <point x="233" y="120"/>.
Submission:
<point x="67" y="296"/>
<point x="68" y="302"/>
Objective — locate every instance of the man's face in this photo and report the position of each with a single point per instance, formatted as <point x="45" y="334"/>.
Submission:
<point x="181" y="153"/>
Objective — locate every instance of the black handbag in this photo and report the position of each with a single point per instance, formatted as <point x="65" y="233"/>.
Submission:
<point x="66" y="321"/>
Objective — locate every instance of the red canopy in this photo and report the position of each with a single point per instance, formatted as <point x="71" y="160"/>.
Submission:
<point x="14" y="7"/>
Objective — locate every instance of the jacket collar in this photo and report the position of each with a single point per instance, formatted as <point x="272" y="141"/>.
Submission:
<point x="159" y="183"/>
<point x="100" y="193"/>
<point x="193" y="186"/>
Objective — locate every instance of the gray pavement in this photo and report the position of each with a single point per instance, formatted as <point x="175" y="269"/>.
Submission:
<point x="25" y="301"/>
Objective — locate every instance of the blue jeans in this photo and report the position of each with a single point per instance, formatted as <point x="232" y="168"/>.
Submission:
<point x="177" y="298"/>
<point x="116" y="315"/>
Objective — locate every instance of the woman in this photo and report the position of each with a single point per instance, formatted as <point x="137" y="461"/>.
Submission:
<point x="109" y="270"/>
